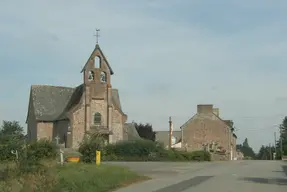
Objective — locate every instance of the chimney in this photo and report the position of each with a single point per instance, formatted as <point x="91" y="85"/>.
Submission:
<point x="216" y="111"/>
<point x="207" y="108"/>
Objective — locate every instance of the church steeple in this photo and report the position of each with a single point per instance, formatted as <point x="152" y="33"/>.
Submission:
<point x="97" y="69"/>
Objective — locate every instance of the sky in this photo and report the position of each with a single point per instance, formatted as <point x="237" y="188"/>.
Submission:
<point x="168" y="56"/>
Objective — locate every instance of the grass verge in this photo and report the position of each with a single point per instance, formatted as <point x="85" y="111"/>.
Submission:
<point x="89" y="177"/>
<point x="72" y="177"/>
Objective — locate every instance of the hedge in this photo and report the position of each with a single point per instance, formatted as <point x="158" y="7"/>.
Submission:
<point x="138" y="150"/>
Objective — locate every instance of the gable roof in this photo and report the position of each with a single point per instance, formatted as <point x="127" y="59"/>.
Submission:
<point x="51" y="103"/>
<point x="227" y="122"/>
<point x="130" y="132"/>
<point x="97" y="48"/>
<point x="188" y="121"/>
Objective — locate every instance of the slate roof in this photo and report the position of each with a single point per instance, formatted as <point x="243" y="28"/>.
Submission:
<point x="130" y="132"/>
<point x="163" y="136"/>
<point x="51" y="103"/>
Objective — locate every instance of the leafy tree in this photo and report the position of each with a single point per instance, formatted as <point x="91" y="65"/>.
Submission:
<point x="145" y="131"/>
<point x="245" y="143"/>
<point x="246" y="149"/>
<point x="264" y="153"/>
<point x="11" y="138"/>
<point x="283" y="137"/>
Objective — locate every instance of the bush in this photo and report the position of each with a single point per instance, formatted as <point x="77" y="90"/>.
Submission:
<point x="138" y="148"/>
<point x="196" y="156"/>
<point x="89" y="146"/>
<point x="7" y="144"/>
<point x="42" y="149"/>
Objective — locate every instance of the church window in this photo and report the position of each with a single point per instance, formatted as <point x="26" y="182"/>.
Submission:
<point x="103" y="76"/>
<point x="97" y="62"/>
<point x="97" y="118"/>
<point x="91" y="75"/>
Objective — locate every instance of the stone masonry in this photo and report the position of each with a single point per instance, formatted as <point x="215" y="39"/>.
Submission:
<point x="69" y="113"/>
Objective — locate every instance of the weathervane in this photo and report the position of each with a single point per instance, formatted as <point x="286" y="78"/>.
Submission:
<point x="97" y="35"/>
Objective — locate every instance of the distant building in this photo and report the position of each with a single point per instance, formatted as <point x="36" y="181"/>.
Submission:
<point x="205" y="130"/>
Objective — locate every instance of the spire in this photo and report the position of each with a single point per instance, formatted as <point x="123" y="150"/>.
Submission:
<point x="97" y="36"/>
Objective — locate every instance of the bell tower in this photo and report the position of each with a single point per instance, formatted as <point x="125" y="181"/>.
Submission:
<point x="98" y="91"/>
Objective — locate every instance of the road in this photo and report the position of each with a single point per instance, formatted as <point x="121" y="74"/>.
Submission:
<point x="233" y="176"/>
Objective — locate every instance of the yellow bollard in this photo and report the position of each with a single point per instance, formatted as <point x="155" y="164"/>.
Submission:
<point x="98" y="157"/>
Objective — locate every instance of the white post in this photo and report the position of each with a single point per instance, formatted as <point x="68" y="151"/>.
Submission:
<point x="62" y="157"/>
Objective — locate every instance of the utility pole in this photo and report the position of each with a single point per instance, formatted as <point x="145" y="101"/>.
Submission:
<point x="281" y="141"/>
<point x="270" y="152"/>
<point x="275" y="146"/>
<point x="275" y="139"/>
<point x="170" y="133"/>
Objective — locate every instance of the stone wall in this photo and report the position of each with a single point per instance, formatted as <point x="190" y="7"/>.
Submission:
<point x="99" y="106"/>
<point x="204" y="129"/>
<point x="45" y="130"/>
<point x="78" y="126"/>
<point x="117" y="126"/>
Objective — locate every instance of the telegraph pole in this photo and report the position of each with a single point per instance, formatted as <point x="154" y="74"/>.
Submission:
<point x="275" y="146"/>
<point x="270" y="152"/>
<point x="281" y="142"/>
<point x="170" y="133"/>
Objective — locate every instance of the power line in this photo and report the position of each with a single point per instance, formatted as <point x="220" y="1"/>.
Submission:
<point x="257" y="129"/>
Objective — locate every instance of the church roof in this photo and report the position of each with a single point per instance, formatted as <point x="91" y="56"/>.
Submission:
<point x="51" y="103"/>
<point x="130" y="132"/>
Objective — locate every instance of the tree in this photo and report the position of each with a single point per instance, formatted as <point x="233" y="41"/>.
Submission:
<point x="145" y="131"/>
<point x="264" y="153"/>
<point x="11" y="138"/>
<point x="283" y="138"/>
<point x="11" y="129"/>
<point x="246" y="149"/>
<point x="245" y="143"/>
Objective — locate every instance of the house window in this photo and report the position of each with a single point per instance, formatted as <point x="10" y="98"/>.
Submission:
<point x="97" y="118"/>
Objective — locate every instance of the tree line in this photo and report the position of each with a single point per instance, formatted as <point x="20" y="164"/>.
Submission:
<point x="267" y="152"/>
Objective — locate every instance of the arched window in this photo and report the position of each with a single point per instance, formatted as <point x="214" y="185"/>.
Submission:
<point x="91" y="76"/>
<point x="103" y="76"/>
<point x="97" y="62"/>
<point x="97" y="118"/>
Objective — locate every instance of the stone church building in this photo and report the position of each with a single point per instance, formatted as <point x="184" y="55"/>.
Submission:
<point x="66" y="114"/>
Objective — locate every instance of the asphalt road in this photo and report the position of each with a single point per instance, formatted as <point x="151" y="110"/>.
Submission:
<point x="233" y="176"/>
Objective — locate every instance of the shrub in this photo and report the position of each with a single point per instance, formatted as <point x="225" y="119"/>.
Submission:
<point x="8" y="144"/>
<point x="41" y="150"/>
<point x="89" y="146"/>
<point x="136" y="148"/>
<point x="197" y="156"/>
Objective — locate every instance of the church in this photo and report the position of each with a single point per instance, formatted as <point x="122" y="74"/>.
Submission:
<point x="66" y="114"/>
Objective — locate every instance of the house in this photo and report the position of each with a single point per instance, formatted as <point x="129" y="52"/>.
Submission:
<point x="68" y="113"/>
<point x="205" y="130"/>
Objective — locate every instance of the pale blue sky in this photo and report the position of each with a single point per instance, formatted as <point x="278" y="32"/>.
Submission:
<point x="168" y="56"/>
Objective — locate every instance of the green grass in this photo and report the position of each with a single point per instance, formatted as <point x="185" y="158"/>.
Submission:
<point x="89" y="177"/>
<point x="72" y="177"/>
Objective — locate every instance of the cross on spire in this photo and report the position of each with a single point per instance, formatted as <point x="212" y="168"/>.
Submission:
<point x="97" y="35"/>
